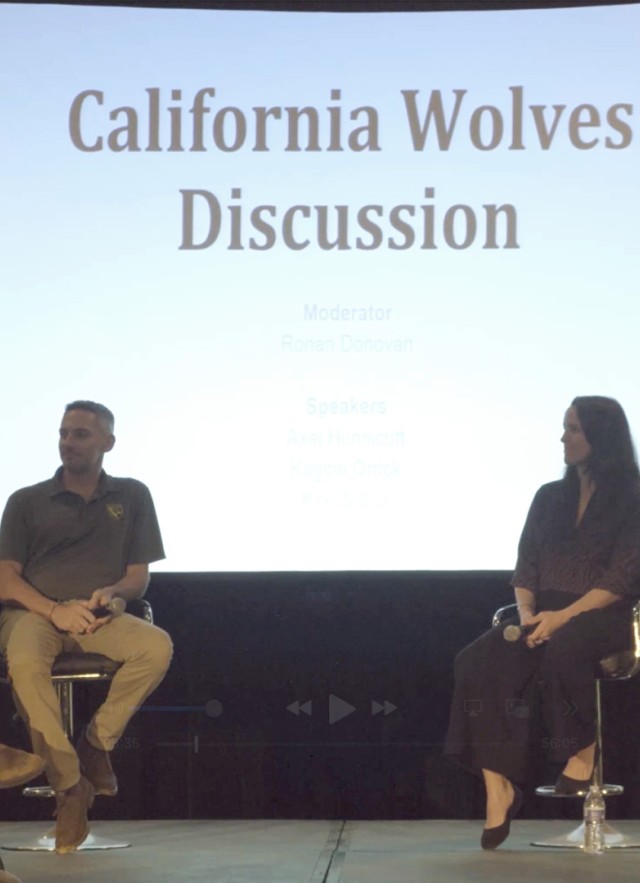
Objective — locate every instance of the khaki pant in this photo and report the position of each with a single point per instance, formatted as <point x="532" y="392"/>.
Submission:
<point x="31" y="643"/>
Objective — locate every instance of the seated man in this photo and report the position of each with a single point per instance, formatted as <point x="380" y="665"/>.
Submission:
<point x="68" y="547"/>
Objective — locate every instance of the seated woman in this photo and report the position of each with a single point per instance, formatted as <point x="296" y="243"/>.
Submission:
<point x="576" y="578"/>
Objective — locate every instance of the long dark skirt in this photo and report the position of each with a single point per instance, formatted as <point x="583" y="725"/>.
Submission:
<point x="501" y="688"/>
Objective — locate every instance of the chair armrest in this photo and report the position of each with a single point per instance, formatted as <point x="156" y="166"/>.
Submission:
<point x="501" y="613"/>
<point x="626" y="664"/>
<point x="141" y="608"/>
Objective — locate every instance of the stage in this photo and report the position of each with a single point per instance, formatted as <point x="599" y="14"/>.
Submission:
<point x="280" y="851"/>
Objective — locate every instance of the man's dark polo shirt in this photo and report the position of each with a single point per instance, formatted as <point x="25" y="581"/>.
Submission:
<point x="69" y="547"/>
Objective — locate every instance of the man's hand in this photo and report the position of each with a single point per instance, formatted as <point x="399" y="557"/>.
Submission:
<point x="547" y="622"/>
<point x="100" y="598"/>
<point x="73" y="617"/>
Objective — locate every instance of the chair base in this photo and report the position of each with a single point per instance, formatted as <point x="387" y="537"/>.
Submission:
<point x="575" y="840"/>
<point x="607" y="791"/>
<point x="47" y="843"/>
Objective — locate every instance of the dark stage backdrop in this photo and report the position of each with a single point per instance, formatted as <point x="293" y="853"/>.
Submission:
<point x="316" y="696"/>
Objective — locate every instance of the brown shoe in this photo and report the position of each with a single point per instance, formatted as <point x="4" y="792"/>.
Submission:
<point x="96" y="766"/>
<point x="6" y="877"/>
<point x="72" y="826"/>
<point x="18" y="767"/>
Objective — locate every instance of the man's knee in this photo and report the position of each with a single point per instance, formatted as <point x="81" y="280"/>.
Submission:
<point x="158" y="649"/>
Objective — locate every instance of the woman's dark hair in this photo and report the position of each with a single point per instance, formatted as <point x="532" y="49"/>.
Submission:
<point x="605" y="426"/>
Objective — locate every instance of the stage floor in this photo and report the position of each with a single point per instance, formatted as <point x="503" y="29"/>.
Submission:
<point x="318" y="852"/>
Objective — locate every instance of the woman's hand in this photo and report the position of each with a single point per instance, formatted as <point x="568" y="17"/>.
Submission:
<point x="526" y="614"/>
<point x="546" y="623"/>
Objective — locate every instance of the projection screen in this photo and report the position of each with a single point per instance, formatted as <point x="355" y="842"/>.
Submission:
<point x="337" y="275"/>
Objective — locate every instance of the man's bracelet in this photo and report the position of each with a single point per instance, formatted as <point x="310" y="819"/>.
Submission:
<point x="55" y="604"/>
<point x="525" y="606"/>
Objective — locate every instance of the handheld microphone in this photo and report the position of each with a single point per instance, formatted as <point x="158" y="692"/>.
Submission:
<point x="514" y="632"/>
<point x="115" y="607"/>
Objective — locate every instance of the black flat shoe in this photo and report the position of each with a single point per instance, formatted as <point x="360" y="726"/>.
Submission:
<point x="567" y="787"/>
<point x="493" y="837"/>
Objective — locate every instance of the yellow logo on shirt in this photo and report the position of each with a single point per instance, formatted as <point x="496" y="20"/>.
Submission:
<point x="115" y="510"/>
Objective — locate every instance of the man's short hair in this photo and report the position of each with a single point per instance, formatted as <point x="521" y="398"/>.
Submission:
<point x="99" y="410"/>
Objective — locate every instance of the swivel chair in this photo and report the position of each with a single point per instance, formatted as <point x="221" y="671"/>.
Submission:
<point x="69" y="669"/>
<point x="618" y="667"/>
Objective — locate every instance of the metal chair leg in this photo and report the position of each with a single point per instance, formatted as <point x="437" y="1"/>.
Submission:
<point x="613" y="839"/>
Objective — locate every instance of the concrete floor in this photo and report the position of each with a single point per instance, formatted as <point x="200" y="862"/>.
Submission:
<point x="317" y="852"/>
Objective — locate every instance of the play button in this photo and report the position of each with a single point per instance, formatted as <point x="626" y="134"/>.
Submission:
<point x="338" y="709"/>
